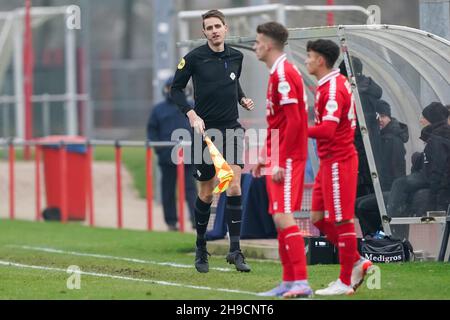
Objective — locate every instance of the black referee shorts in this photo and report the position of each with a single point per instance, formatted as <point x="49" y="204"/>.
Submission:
<point x="229" y="142"/>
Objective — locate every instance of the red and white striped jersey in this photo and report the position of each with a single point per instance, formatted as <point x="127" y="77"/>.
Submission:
<point x="286" y="112"/>
<point x="335" y="102"/>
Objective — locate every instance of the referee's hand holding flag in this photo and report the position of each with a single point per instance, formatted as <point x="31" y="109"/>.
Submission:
<point x="196" y="122"/>
<point x="223" y="170"/>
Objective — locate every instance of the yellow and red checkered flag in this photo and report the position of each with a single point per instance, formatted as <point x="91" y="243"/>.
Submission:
<point x="223" y="170"/>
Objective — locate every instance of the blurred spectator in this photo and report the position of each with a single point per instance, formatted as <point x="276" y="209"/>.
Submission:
<point x="434" y="173"/>
<point x="370" y="94"/>
<point x="393" y="136"/>
<point x="165" y="118"/>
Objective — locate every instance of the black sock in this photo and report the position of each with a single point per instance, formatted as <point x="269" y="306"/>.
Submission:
<point x="202" y="213"/>
<point x="233" y="213"/>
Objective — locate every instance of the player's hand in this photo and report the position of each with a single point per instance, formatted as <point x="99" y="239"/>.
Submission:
<point x="196" y="122"/>
<point x="278" y="174"/>
<point x="256" y="170"/>
<point x="247" y="103"/>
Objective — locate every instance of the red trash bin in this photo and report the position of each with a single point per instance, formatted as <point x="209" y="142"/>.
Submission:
<point x="75" y="174"/>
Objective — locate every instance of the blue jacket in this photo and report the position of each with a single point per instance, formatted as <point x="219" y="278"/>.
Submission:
<point x="165" y="118"/>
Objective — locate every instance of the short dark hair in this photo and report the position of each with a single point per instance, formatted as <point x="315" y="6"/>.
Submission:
<point x="357" y="67"/>
<point x="274" y="31"/>
<point x="214" y="13"/>
<point x="326" y="48"/>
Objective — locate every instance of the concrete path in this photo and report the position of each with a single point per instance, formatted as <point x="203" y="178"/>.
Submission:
<point x="105" y="201"/>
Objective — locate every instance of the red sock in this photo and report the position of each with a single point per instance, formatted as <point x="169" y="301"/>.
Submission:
<point x="328" y="229"/>
<point x="295" y="248"/>
<point x="288" y="270"/>
<point x="347" y="250"/>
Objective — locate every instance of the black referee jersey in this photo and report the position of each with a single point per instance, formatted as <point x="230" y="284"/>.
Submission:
<point x="216" y="85"/>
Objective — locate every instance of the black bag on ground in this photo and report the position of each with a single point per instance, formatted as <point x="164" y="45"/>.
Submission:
<point x="387" y="250"/>
<point x="51" y="214"/>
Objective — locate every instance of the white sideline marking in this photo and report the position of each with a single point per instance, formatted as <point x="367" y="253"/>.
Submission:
<point x="104" y="275"/>
<point x="102" y="256"/>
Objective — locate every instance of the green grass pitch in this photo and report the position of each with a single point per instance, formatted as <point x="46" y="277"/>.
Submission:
<point x="34" y="258"/>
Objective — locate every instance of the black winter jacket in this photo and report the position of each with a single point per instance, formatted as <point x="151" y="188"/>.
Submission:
<point x="436" y="165"/>
<point x="393" y="163"/>
<point x="370" y="93"/>
<point x="164" y="119"/>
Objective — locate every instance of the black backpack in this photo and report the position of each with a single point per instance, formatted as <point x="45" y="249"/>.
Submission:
<point x="387" y="250"/>
<point x="51" y="214"/>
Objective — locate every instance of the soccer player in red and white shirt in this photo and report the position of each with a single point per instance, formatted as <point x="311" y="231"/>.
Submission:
<point x="334" y="192"/>
<point x="285" y="159"/>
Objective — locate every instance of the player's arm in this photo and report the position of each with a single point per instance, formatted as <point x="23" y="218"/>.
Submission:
<point x="287" y="146"/>
<point x="323" y="131"/>
<point x="241" y="93"/>
<point x="330" y="120"/>
<point x="289" y="100"/>
<point x="245" y="102"/>
<point x="293" y="119"/>
<point x="182" y="75"/>
<point x="262" y="161"/>
<point x="181" y="79"/>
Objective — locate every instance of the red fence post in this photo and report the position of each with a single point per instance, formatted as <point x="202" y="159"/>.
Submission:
<point x="330" y="15"/>
<point x="149" y="180"/>
<point x="63" y="181"/>
<point x="89" y="187"/>
<point x="12" y="159"/>
<point x="119" y="184"/>
<point x="181" y="190"/>
<point x="37" y="158"/>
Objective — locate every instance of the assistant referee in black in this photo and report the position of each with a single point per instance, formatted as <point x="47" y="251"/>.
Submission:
<point x="215" y="69"/>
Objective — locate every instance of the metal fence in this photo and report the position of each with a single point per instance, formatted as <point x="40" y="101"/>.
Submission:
<point x="62" y="146"/>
